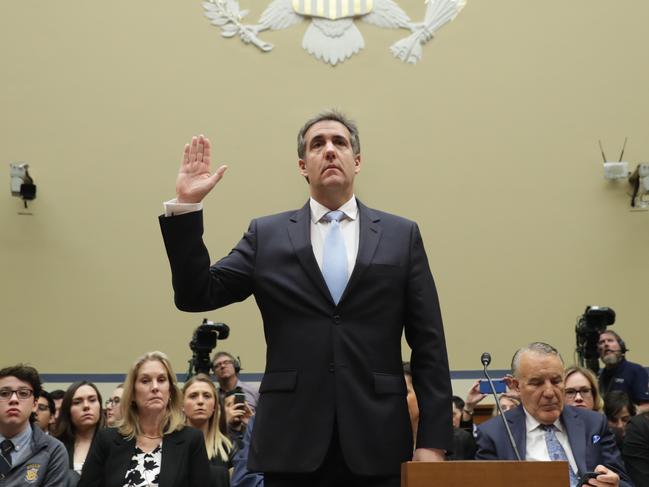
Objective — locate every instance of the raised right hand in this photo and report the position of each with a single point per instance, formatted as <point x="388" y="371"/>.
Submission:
<point x="194" y="180"/>
<point x="474" y="396"/>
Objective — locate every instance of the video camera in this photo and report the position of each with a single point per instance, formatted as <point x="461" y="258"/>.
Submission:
<point x="203" y="342"/>
<point x="587" y="330"/>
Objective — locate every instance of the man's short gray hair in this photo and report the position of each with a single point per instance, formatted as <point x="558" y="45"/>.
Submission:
<point x="222" y="353"/>
<point x="333" y="115"/>
<point x="535" y="347"/>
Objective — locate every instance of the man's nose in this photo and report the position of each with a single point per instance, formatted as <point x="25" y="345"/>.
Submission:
<point x="330" y="149"/>
<point x="548" y="389"/>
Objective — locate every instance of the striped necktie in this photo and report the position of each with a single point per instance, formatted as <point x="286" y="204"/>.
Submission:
<point x="6" y="447"/>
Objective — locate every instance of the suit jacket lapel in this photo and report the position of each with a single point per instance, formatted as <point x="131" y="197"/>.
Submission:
<point x="299" y="232"/>
<point x="516" y="420"/>
<point x="122" y="453"/>
<point x="368" y="239"/>
<point x="171" y="457"/>
<point x="576" y="437"/>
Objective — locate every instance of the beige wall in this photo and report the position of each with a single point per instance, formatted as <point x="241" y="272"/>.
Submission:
<point x="490" y="143"/>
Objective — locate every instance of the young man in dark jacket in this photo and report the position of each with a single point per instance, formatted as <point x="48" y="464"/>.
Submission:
<point x="28" y="456"/>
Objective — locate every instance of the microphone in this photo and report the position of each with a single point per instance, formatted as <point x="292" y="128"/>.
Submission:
<point x="486" y="360"/>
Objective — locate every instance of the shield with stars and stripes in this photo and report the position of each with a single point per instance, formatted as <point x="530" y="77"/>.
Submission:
<point x="333" y="9"/>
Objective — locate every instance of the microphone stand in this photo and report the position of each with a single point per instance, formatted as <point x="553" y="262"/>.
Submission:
<point x="486" y="360"/>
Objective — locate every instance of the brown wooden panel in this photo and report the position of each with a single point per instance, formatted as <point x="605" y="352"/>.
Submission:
<point x="483" y="412"/>
<point x="485" y="474"/>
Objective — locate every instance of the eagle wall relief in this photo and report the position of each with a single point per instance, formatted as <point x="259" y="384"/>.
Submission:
<point x="332" y="35"/>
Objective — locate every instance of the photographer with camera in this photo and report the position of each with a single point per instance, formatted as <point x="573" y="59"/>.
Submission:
<point x="226" y="370"/>
<point x="619" y="374"/>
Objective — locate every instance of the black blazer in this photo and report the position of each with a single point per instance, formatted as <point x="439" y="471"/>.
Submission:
<point x="635" y="450"/>
<point x="184" y="460"/>
<point x="329" y="364"/>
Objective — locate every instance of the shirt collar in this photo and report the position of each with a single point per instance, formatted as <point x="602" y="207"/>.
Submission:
<point x="21" y="439"/>
<point x="532" y="424"/>
<point x="350" y="209"/>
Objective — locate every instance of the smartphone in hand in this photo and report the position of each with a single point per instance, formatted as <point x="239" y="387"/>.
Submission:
<point x="499" y="385"/>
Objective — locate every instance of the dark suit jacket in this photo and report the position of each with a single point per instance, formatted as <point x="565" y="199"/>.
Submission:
<point x="464" y="447"/>
<point x="635" y="450"/>
<point x="329" y="364"/>
<point x="590" y="440"/>
<point x="184" y="460"/>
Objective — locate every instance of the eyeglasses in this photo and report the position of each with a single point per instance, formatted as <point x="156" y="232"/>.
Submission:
<point x="43" y="407"/>
<point x="584" y="393"/>
<point x="5" y="394"/>
<point x="223" y="363"/>
<point x="113" y="401"/>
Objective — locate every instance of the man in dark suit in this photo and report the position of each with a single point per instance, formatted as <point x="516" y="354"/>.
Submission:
<point x="336" y="290"/>
<point x="544" y="429"/>
<point x="635" y="449"/>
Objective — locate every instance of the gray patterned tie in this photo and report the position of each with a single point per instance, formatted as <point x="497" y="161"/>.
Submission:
<point x="556" y="451"/>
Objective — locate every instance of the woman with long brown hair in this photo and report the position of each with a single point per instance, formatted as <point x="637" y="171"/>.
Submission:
<point x="80" y="418"/>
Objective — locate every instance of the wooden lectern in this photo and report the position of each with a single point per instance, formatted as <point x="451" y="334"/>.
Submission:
<point x="484" y="474"/>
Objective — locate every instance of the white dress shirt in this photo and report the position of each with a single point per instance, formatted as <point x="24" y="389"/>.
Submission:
<point x="349" y="226"/>
<point x="172" y="207"/>
<point x="535" y="447"/>
<point x="22" y="444"/>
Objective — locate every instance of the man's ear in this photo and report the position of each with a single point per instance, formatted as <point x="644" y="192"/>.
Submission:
<point x="513" y="383"/>
<point x="357" y="165"/>
<point x="302" y="167"/>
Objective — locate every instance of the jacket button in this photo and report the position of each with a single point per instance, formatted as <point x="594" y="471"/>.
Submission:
<point x="337" y="319"/>
<point x="331" y="367"/>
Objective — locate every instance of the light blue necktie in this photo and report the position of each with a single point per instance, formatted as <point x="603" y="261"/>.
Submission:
<point x="556" y="451"/>
<point x="334" y="256"/>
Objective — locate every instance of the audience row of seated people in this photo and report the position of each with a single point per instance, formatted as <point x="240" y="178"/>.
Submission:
<point x="145" y="413"/>
<point x="146" y="419"/>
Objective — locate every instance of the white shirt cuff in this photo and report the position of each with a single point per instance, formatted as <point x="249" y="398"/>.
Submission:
<point x="173" y="208"/>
